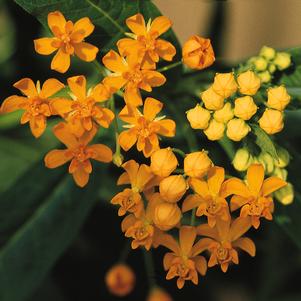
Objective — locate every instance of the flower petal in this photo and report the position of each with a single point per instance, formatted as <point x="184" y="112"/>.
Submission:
<point x="56" y="22"/>
<point x="131" y="167"/>
<point x="245" y="244"/>
<point x="82" y="29"/>
<point x="100" y="93"/>
<point x="13" y="103"/>
<point x="234" y="186"/>
<point x="37" y="125"/>
<point x="80" y="176"/>
<point x="187" y="237"/>
<point x="27" y="87"/>
<point x="44" y="46"/>
<point x="61" y="106"/>
<point x="190" y="202"/>
<point x="154" y="78"/>
<point x="272" y="184"/>
<point x="61" y="61"/>
<point x="100" y="152"/>
<point x="239" y="227"/>
<point x="167" y="128"/>
<point x="237" y="201"/>
<point x="57" y="158"/>
<point x="205" y="230"/>
<point x="50" y="87"/>
<point x="165" y="50"/>
<point x="151" y="108"/>
<point x="132" y="96"/>
<point x="62" y="132"/>
<point x="144" y="175"/>
<point x="216" y="176"/>
<point x="114" y="62"/>
<point x="202" y="245"/>
<point x="136" y="24"/>
<point x="78" y="86"/>
<point x="160" y="25"/>
<point x="127" y="139"/>
<point x="85" y="51"/>
<point x="126" y="46"/>
<point x="255" y="177"/>
<point x="201" y="264"/>
<point x="88" y="136"/>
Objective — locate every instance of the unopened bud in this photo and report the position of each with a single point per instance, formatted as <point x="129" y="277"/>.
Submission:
<point x="242" y="159"/>
<point x="267" y="52"/>
<point x="282" y="60"/>
<point x="285" y="195"/>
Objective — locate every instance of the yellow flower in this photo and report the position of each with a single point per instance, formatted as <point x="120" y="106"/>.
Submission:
<point x="237" y="129"/>
<point x="212" y="100"/>
<point x="198" y="117"/>
<point x="223" y="241"/>
<point x="271" y="121"/>
<point x="224" y="84"/>
<point x="198" y="53"/>
<point x="68" y="40"/>
<point x="260" y="63"/>
<point x="146" y="40"/>
<point x="267" y="52"/>
<point x="242" y="159"/>
<point x="244" y="107"/>
<point x="163" y="162"/>
<point x="224" y="114"/>
<point x="197" y="164"/>
<point x="120" y="280"/>
<point x="248" y="83"/>
<point x="265" y="76"/>
<point x="215" y="130"/>
<point x="145" y="128"/>
<point x="173" y="188"/>
<point x="278" y="98"/>
<point x="285" y="195"/>
<point x="78" y="152"/>
<point x="158" y="294"/>
<point x="282" y="60"/>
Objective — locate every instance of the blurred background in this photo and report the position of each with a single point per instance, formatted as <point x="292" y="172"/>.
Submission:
<point x="238" y="29"/>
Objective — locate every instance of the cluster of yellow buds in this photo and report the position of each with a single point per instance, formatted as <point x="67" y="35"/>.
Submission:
<point x="268" y="62"/>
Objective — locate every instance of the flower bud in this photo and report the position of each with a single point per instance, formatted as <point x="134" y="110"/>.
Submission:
<point x="283" y="157"/>
<point x="282" y="60"/>
<point x="224" y="114"/>
<point x="198" y="117"/>
<point x="215" y="130"/>
<point x="271" y="121"/>
<point x="248" y="83"/>
<point x="244" y="107"/>
<point x="278" y="98"/>
<point x="267" y="52"/>
<point x="242" y="159"/>
<point x="237" y="129"/>
<point x="224" y="84"/>
<point x="198" y="53"/>
<point x="272" y="68"/>
<point x="285" y="195"/>
<point x="120" y="280"/>
<point x="163" y="162"/>
<point x="166" y="215"/>
<point x="212" y="100"/>
<point x="267" y="161"/>
<point x="260" y="63"/>
<point x="173" y="188"/>
<point x="197" y="164"/>
<point x="118" y="159"/>
<point x="265" y="76"/>
<point x="280" y="173"/>
<point x="158" y="294"/>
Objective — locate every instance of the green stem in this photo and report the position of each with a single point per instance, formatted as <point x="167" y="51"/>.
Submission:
<point x="192" y="219"/>
<point x="228" y="147"/>
<point x="149" y="266"/>
<point x="171" y="66"/>
<point x="178" y="151"/>
<point x="116" y="128"/>
<point x="103" y="71"/>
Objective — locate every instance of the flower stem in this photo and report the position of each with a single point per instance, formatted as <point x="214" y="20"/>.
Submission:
<point x="192" y="219"/>
<point x="171" y="66"/>
<point x="103" y="71"/>
<point x="116" y="128"/>
<point x="178" y="151"/>
<point x="149" y="266"/>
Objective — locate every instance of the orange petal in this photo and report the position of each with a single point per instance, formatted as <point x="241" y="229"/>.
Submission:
<point x="151" y="108"/>
<point x="13" y="103"/>
<point x="136" y="24"/>
<point x="202" y="245"/>
<point x="148" y="63"/>
<point x="165" y="50"/>
<point x="37" y="125"/>
<point x="167" y="128"/>
<point x="100" y="92"/>
<point x="127" y="222"/>
<point x="85" y="51"/>
<point x="127" y="139"/>
<point x="100" y="152"/>
<point x="129" y="114"/>
<point x="132" y="96"/>
<point x="192" y="201"/>
<point x="234" y="186"/>
<point x="237" y="201"/>
<point x="114" y="62"/>
<point x="205" y="230"/>
<point x="169" y="242"/>
<point x="245" y="244"/>
<point x="114" y="82"/>
<point x="144" y="175"/>
<point x="255" y="177"/>
<point x="167" y="260"/>
<point x="78" y="86"/>
<point x="82" y="29"/>
<point x="27" y="87"/>
<point x="239" y="227"/>
<point x="216" y="176"/>
<point x="57" y="158"/>
<point x="61" y="61"/>
<point x="126" y="46"/>
<point x="124" y="179"/>
<point x="187" y="237"/>
<point x="45" y="46"/>
<point x="199" y="186"/>
<point x="80" y="176"/>
<point x="131" y="167"/>
<point x="87" y="137"/>
<point x="61" y="106"/>
<point x="50" y="87"/>
<point x="272" y="184"/>
<point x="62" y="132"/>
<point x="160" y="25"/>
<point x="106" y="117"/>
<point x="56" y="22"/>
<point x="154" y="78"/>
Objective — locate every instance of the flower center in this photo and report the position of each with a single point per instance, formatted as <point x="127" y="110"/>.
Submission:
<point x="256" y="208"/>
<point x="213" y="207"/>
<point x="38" y="107"/>
<point x="222" y="253"/>
<point x="147" y="41"/>
<point x="80" y="153"/>
<point x="134" y="76"/>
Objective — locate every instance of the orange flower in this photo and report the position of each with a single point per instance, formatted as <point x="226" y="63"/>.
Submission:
<point x="78" y="151"/>
<point x="144" y="129"/>
<point x="84" y="110"/>
<point x="158" y="294"/>
<point x="130" y="199"/>
<point x="198" y="53"/>
<point x="128" y="75"/>
<point x="68" y="40"/>
<point x="36" y="103"/>
<point x="254" y="198"/>
<point x="146" y="40"/>
<point x="223" y="241"/>
<point x="120" y="280"/>
<point x="210" y="197"/>
<point x="183" y="262"/>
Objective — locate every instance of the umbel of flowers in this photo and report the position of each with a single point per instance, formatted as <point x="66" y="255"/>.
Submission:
<point x="160" y="194"/>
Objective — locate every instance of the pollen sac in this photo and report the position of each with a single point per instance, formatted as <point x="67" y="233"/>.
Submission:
<point x="173" y="188"/>
<point x="163" y="162"/>
<point x="197" y="164"/>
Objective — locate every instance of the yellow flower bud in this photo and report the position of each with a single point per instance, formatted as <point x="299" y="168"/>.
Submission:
<point x="267" y="161"/>
<point x="248" y="83"/>
<point x="120" y="280"/>
<point x="163" y="162"/>
<point x="224" y="84"/>
<point x="272" y="68"/>
<point x="158" y="294"/>
<point x="244" y="107"/>
<point x="282" y="60"/>
<point x="237" y="129"/>
<point x="198" y="117"/>
<point x="212" y="100"/>
<point x="285" y="195"/>
<point x="224" y="114"/>
<point x="278" y="98"/>
<point x="280" y="173"/>
<point x="260" y="63"/>
<point x="267" y="52"/>
<point x="265" y="77"/>
<point x="197" y="164"/>
<point x="271" y="121"/>
<point x="173" y="188"/>
<point x="166" y="215"/>
<point x="118" y="159"/>
<point x="242" y="159"/>
<point x="283" y="157"/>
<point x="215" y="130"/>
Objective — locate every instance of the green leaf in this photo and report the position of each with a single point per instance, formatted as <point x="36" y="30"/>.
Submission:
<point x="263" y="140"/>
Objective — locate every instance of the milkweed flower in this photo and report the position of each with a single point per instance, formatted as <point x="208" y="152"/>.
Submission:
<point x="184" y="261"/>
<point x="78" y="152"/>
<point x="68" y="40"/>
<point x="244" y="107"/>
<point x="254" y="197"/>
<point x="173" y="188"/>
<point x="163" y="162"/>
<point x="215" y="130"/>
<point x="248" y="83"/>
<point x="210" y="196"/>
<point x="198" y="117"/>
<point x="84" y="110"/>
<point x="198" y="53"/>
<point x="278" y="98"/>
<point x="212" y="100"/>
<point x="36" y="103"/>
<point x="197" y="164"/>
<point x="223" y="241"/>
<point x="146" y="40"/>
<point x="224" y="84"/>
<point x="145" y="128"/>
<point x="271" y="121"/>
<point x="139" y="177"/>
<point x="224" y="114"/>
<point x="237" y="129"/>
<point x="120" y="280"/>
<point x="127" y="74"/>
